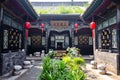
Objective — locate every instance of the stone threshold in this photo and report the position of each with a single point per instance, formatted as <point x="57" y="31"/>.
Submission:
<point x="16" y="77"/>
<point x="36" y="58"/>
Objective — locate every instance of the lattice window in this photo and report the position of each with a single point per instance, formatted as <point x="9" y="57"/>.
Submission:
<point x="36" y="40"/>
<point x="7" y="20"/>
<point x="5" y="38"/>
<point x="99" y="40"/>
<point x="14" y="39"/>
<point x="90" y="41"/>
<point x="114" y="38"/>
<point x="76" y="41"/>
<point x="29" y="40"/>
<point x="113" y="20"/>
<point x="67" y="41"/>
<point x="83" y="40"/>
<point x="15" y="24"/>
<point x="20" y="40"/>
<point x="106" y="39"/>
<point x="43" y="40"/>
<point x="52" y="41"/>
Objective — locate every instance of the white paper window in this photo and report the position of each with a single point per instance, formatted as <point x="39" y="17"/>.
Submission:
<point x="105" y="24"/>
<point x="5" y="38"/>
<point x="99" y="26"/>
<point x="15" y="24"/>
<point x="20" y="40"/>
<point x="90" y="41"/>
<point x="67" y="41"/>
<point x="112" y="20"/>
<point x="43" y="40"/>
<point x="29" y="40"/>
<point x="99" y="40"/>
<point x="114" y="38"/>
<point x="7" y="20"/>
<point x="76" y="41"/>
<point x="52" y="38"/>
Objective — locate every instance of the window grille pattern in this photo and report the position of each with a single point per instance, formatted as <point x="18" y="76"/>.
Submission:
<point x="36" y="40"/>
<point x="114" y="38"/>
<point x="13" y="39"/>
<point x="5" y="39"/>
<point x="83" y="40"/>
<point x="106" y="39"/>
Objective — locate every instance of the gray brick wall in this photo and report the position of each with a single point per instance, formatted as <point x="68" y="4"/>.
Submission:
<point x="110" y="59"/>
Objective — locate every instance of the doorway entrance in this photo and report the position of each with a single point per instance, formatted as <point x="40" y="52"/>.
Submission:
<point x="59" y="45"/>
<point x="59" y="40"/>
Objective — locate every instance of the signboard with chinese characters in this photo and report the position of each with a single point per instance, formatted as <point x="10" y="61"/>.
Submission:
<point x="59" y="24"/>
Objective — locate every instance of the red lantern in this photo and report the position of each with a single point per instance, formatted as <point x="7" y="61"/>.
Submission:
<point x="42" y="27"/>
<point x="27" y="25"/>
<point x="92" y="25"/>
<point x="75" y="25"/>
<point x="76" y="30"/>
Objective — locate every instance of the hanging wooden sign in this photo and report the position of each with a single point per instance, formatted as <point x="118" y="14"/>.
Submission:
<point x="59" y="24"/>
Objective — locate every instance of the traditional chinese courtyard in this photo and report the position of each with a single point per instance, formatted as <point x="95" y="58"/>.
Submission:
<point x="59" y="40"/>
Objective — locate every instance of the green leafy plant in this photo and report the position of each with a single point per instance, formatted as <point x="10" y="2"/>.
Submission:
<point x="79" y="61"/>
<point x="61" y="10"/>
<point x="69" y="68"/>
<point x="51" y="54"/>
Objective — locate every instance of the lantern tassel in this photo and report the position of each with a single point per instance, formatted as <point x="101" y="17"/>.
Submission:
<point x="76" y="30"/>
<point x="27" y="34"/>
<point x="42" y="30"/>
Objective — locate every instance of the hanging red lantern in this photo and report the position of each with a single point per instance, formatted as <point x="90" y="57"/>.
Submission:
<point x="92" y="25"/>
<point x="27" y="25"/>
<point x="42" y="27"/>
<point x="76" y="30"/>
<point x="75" y="25"/>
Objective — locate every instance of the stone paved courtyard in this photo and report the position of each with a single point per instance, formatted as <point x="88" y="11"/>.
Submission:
<point x="92" y="74"/>
<point x="33" y="73"/>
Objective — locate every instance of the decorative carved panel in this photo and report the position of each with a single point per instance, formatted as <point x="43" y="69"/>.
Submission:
<point x="114" y="38"/>
<point x="106" y="39"/>
<point x="14" y="39"/>
<point x="20" y="40"/>
<point x="43" y="40"/>
<point x="99" y="40"/>
<point x="83" y="40"/>
<point x="5" y="39"/>
<point x="76" y="40"/>
<point x="36" y="40"/>
<point x="90" y="41"/>
<point x="59" y="24"/>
